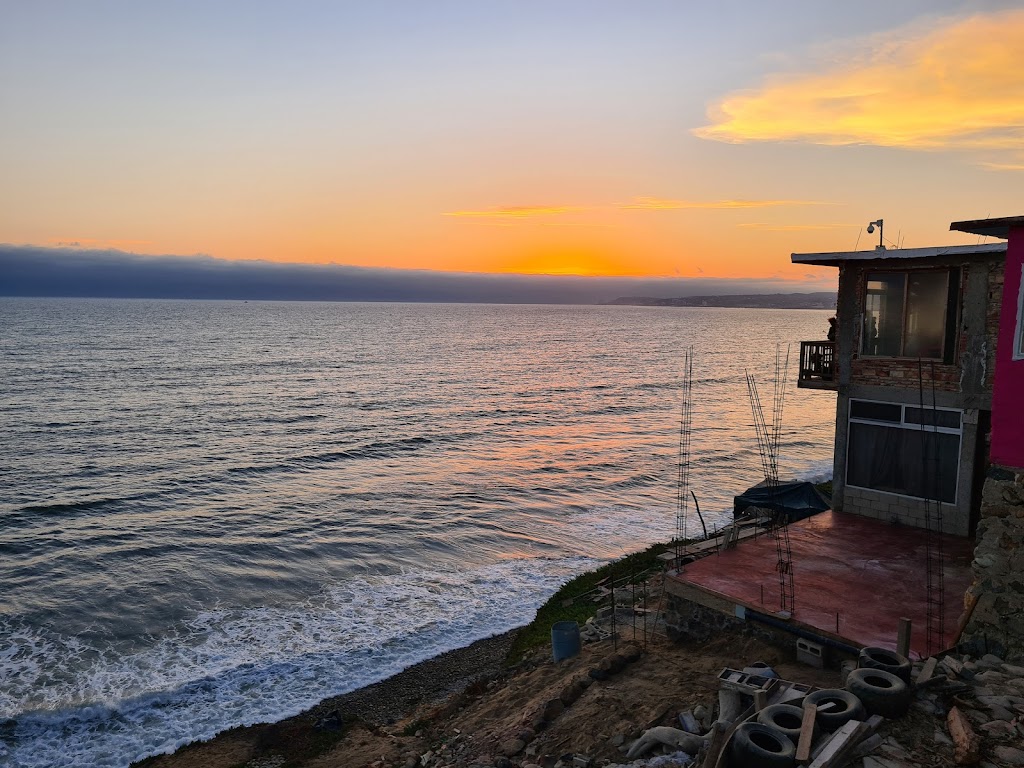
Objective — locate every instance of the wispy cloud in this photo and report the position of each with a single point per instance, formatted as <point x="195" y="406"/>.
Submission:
<point x="764" y="227"/>
<point x="661" y="204"/>
<point x="957" y="84"/>
<point x="88" y="242"/>
<point x="518" y="212"/>
<point x="1003" y="166"/>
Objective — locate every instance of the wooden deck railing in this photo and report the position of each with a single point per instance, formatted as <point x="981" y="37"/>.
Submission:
<point x="818" y="365"/>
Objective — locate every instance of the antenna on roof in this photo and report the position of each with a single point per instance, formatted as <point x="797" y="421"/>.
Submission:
<point x="871" y="228"/>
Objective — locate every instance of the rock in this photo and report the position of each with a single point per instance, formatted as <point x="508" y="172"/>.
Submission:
<point x="1013" y="670"/>
<point x="999" y="729"/>
<point x="617" y="740"/>
<point x="513" y="747"/>
<point x="572" y="692"/>
<point x="632" y="652"/>
<point x="1008" y="755"/>
<point x="598" y="674"/>
<point x="526" y="734"/>
<point x="928" y="707"/>
<point x="991" y="677"/>
<point x="941" y="738"/>
<point x="503" y="762"/>
<point x="332" y="721"/>
<point x="411" y="762"/>
<point x="552" y="709"/>
<point x="703" y="715"/>
<point x="990" y="661"/>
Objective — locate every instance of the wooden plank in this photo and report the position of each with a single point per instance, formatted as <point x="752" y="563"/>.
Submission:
<point x="716" y="745"/>
<point x="760" y="699"/>
<point x="903" y="638"/>
<point x="953" y="664"/>
<point x="846" y="737"/>
<point x="803" y="747"/>
<point x="927" y="671"/>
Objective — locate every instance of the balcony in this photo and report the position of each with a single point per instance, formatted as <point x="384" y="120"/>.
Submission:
<point x="818" y="365"/>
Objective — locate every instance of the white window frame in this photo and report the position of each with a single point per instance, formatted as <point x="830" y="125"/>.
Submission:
<point x="903" y="424"/>
<point x="1018" y="334"/>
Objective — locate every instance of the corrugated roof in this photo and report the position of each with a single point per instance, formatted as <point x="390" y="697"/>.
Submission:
<point x="834" y="259"/>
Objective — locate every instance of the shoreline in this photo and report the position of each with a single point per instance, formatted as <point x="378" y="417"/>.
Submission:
<point x="428" y="682"/>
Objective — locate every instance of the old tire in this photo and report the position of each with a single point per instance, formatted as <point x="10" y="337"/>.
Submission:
<point x="890" y="661"/>
<point x="756" y="745"/>
<point x="846" y="707"/>
<point x="784" y="718"/>
<point x="881" y="692"/>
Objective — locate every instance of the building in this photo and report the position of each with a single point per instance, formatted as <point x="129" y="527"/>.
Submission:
<point x="995" y="601"/>
<point x="913" y="368"/>
<point x="928" y="366"/>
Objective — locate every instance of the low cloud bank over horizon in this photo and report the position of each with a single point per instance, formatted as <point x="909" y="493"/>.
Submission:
<point x="81" y="273"/>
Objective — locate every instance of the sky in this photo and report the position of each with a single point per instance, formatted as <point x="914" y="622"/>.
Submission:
<point x="690" y="140"/>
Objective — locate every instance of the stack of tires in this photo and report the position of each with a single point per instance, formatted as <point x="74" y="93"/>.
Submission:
<point x="882" y="682"/>
<point x="879" y="686"/>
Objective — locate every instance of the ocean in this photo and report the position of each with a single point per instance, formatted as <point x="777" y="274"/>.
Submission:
<point x="219" y="513"/>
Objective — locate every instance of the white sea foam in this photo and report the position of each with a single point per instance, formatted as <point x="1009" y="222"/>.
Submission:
<point x="236" y="667"/>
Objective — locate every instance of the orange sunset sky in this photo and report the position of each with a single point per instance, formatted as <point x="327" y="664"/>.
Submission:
<point x="673" y="139"/>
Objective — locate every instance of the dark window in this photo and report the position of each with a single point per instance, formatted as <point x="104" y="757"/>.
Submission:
<point x="910" y="462"/>
<point x="865" y="409"/>
<point x="916" y="452"/>
<point x="909" y="314"/>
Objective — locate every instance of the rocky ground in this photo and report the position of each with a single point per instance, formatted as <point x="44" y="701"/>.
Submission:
<point x="464" y="710"/>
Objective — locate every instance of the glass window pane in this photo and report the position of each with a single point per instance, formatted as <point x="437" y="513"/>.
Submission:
<point x="933" y="418"/>
<point x="861" y="409"/>
<point x="909" y="462"/>
<point x="883" y="314"/>
<point x="927" y="294"/>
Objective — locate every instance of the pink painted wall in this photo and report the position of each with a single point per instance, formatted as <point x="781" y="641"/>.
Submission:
<point x="1008" y="388"/>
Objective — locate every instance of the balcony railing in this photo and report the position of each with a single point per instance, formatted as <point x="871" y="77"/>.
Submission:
<point x="818" y="365"/>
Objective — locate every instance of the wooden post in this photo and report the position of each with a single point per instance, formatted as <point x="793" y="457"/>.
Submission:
<point x="903" y="639"/>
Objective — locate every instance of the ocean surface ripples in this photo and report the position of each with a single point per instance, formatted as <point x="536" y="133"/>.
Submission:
<point x="219" y="513"/>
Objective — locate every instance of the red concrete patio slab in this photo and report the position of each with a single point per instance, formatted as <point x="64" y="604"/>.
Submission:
<point x="865" y="573"/>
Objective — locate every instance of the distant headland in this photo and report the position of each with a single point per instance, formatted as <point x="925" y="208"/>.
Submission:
<point x="817" y="300"/>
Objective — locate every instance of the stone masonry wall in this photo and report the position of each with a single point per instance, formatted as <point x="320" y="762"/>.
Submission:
<point x="996" y="624"/>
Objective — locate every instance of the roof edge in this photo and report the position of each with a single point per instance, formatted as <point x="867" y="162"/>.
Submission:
<point x="902" y="254"/>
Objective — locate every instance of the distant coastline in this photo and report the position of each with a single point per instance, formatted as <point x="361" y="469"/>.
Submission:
<point x="818" y="300"/>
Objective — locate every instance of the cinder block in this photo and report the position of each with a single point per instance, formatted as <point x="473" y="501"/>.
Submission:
<point x="810" y="652"/>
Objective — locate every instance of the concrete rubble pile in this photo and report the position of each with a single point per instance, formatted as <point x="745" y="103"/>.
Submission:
<point x="977" y="707"/>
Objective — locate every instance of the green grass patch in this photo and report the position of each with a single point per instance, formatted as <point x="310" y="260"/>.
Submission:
<point x="572" y="602"/>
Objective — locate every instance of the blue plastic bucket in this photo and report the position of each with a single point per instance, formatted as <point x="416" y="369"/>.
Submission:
<point x="565" y="639"/>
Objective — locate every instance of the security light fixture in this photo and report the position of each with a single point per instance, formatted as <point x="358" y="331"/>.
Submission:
<point x="871" y="228"/>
